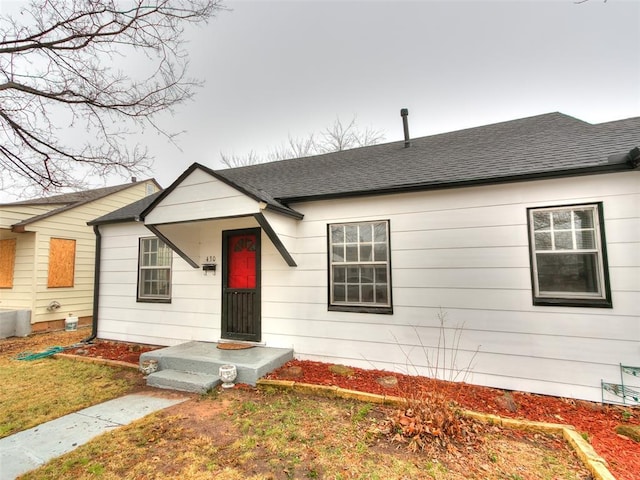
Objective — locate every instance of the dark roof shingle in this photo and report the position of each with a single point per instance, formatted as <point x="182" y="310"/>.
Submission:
<point x="128" y="213"/>
<point x="544" y="144"/>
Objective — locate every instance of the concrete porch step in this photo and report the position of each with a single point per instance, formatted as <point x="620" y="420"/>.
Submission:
<point x="184" y="381"/>
<point x="204" y="358"/>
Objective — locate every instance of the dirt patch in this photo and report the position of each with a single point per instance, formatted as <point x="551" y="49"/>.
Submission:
<point x="288" y="436"/>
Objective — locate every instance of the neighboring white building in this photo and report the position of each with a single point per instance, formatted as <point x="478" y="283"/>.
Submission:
<point x="519" y="242"/>
<point x="47" y="251"/>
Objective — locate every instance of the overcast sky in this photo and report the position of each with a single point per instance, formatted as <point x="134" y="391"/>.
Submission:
<point x="273" y="69"/>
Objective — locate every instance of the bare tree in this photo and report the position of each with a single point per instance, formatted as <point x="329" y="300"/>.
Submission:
<point x="333" y="138"/>
<point x="338" y="137"/>
<point x="67" y="110"/>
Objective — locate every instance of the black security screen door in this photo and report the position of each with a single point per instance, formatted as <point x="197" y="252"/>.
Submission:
<point x="241" y="285"/>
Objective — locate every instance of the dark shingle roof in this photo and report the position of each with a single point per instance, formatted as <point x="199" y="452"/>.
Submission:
<point x="128" y="213"/>
<point x="544" y="145"/>
<point x="77" y="197"/>
<point x="549" y="145"/>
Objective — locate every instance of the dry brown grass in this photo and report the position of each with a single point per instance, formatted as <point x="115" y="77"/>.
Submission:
<point x="37" y="391"/>
<point x="246" y="434"/>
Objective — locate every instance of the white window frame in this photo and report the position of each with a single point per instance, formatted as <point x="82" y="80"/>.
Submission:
<point x="599" y="298"/>
<point x="358" y="246"/>
<point x="142" y="252"/>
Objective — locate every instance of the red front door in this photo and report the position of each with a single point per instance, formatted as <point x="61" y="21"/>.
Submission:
<point x="241" y="285"/>
<point x="242" y="261"/>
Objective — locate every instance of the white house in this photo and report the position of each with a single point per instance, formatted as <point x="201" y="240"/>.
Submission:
<point x="510" y="250"/>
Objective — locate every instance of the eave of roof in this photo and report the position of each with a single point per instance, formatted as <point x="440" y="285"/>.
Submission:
<point x="128" y="213"/>
<point x="73" y="200"/>
<point x="608" y="168"/>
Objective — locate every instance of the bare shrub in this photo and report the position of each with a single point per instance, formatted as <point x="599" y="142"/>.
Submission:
<point x="430" y="419"/>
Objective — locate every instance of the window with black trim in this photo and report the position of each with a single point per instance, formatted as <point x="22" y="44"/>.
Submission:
<point x="568" y="256"/>
<point x="359" y="267"/>
<point x="154" y="271"/>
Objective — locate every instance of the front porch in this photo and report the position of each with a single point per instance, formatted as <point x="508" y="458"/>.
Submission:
<point x="194" y="366"/>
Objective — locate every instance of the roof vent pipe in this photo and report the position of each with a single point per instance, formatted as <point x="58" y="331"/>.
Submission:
<point x="404" y="113"/>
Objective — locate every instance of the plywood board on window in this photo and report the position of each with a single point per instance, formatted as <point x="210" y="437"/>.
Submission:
<point x="62" y="260"/>
<point x="7" y="262"/>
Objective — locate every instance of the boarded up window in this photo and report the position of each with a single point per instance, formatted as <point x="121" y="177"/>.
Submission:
<point x="62" y="261"/>
<point x="7" y="262"/>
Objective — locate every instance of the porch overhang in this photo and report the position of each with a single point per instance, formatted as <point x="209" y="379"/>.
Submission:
<point x="189" y="239"/>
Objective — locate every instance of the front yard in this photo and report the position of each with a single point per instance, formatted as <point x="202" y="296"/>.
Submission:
<point x="247" y="433"/>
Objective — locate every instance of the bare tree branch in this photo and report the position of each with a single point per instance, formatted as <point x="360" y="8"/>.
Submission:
<point x="333" y="138"/>
<point x="59" y="74"/>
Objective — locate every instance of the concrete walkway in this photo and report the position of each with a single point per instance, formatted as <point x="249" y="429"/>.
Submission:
<point x="31" y="448"/>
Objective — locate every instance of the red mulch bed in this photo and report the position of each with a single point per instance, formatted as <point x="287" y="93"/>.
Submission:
<point x="120" y="351"/>
<point x="597" y="421"/>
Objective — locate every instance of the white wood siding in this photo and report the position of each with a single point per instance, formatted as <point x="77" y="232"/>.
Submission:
<point x="286" y="228"/>
<point x="462" y="253"/>
<point x="195" y="309"/>
<point x="201" y="196"/>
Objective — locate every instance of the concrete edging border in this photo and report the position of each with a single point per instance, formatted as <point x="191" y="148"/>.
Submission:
<point x="594" y="462"/>
<point x="101" y="361"/>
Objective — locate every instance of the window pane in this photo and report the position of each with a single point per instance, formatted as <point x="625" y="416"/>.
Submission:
<point x="365" y="253"/>
<point x="337" y="234"/>
<point x="146" y="259"/>
<point x="380" y="232"/>
<point x="359" y="261"/>
<point x="583" y="218"/>
<point x="353" y="275"/>
<point x="367" y="293"/>
<point x="570" y="272"/>
<point x="380" y="252"/>
<point x="541" y="221"/>
<point x="339" y="274"/>
<point x="366" y="275"/>
<point x="154" y="281"/>
<point x="164" y="257"/>
<point x="365" y="233"/>
<point x="564" y="241"/>
<point x="353" y="293"/>
<point x="562" y="220"/>
<point x="351" y="233"/>
<point x="352" y="253"/>
<point x="585" y="240"/>
<point x="543" y="241"/>
<point x="381" y="294"/>
<point x="381" y="274"/>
